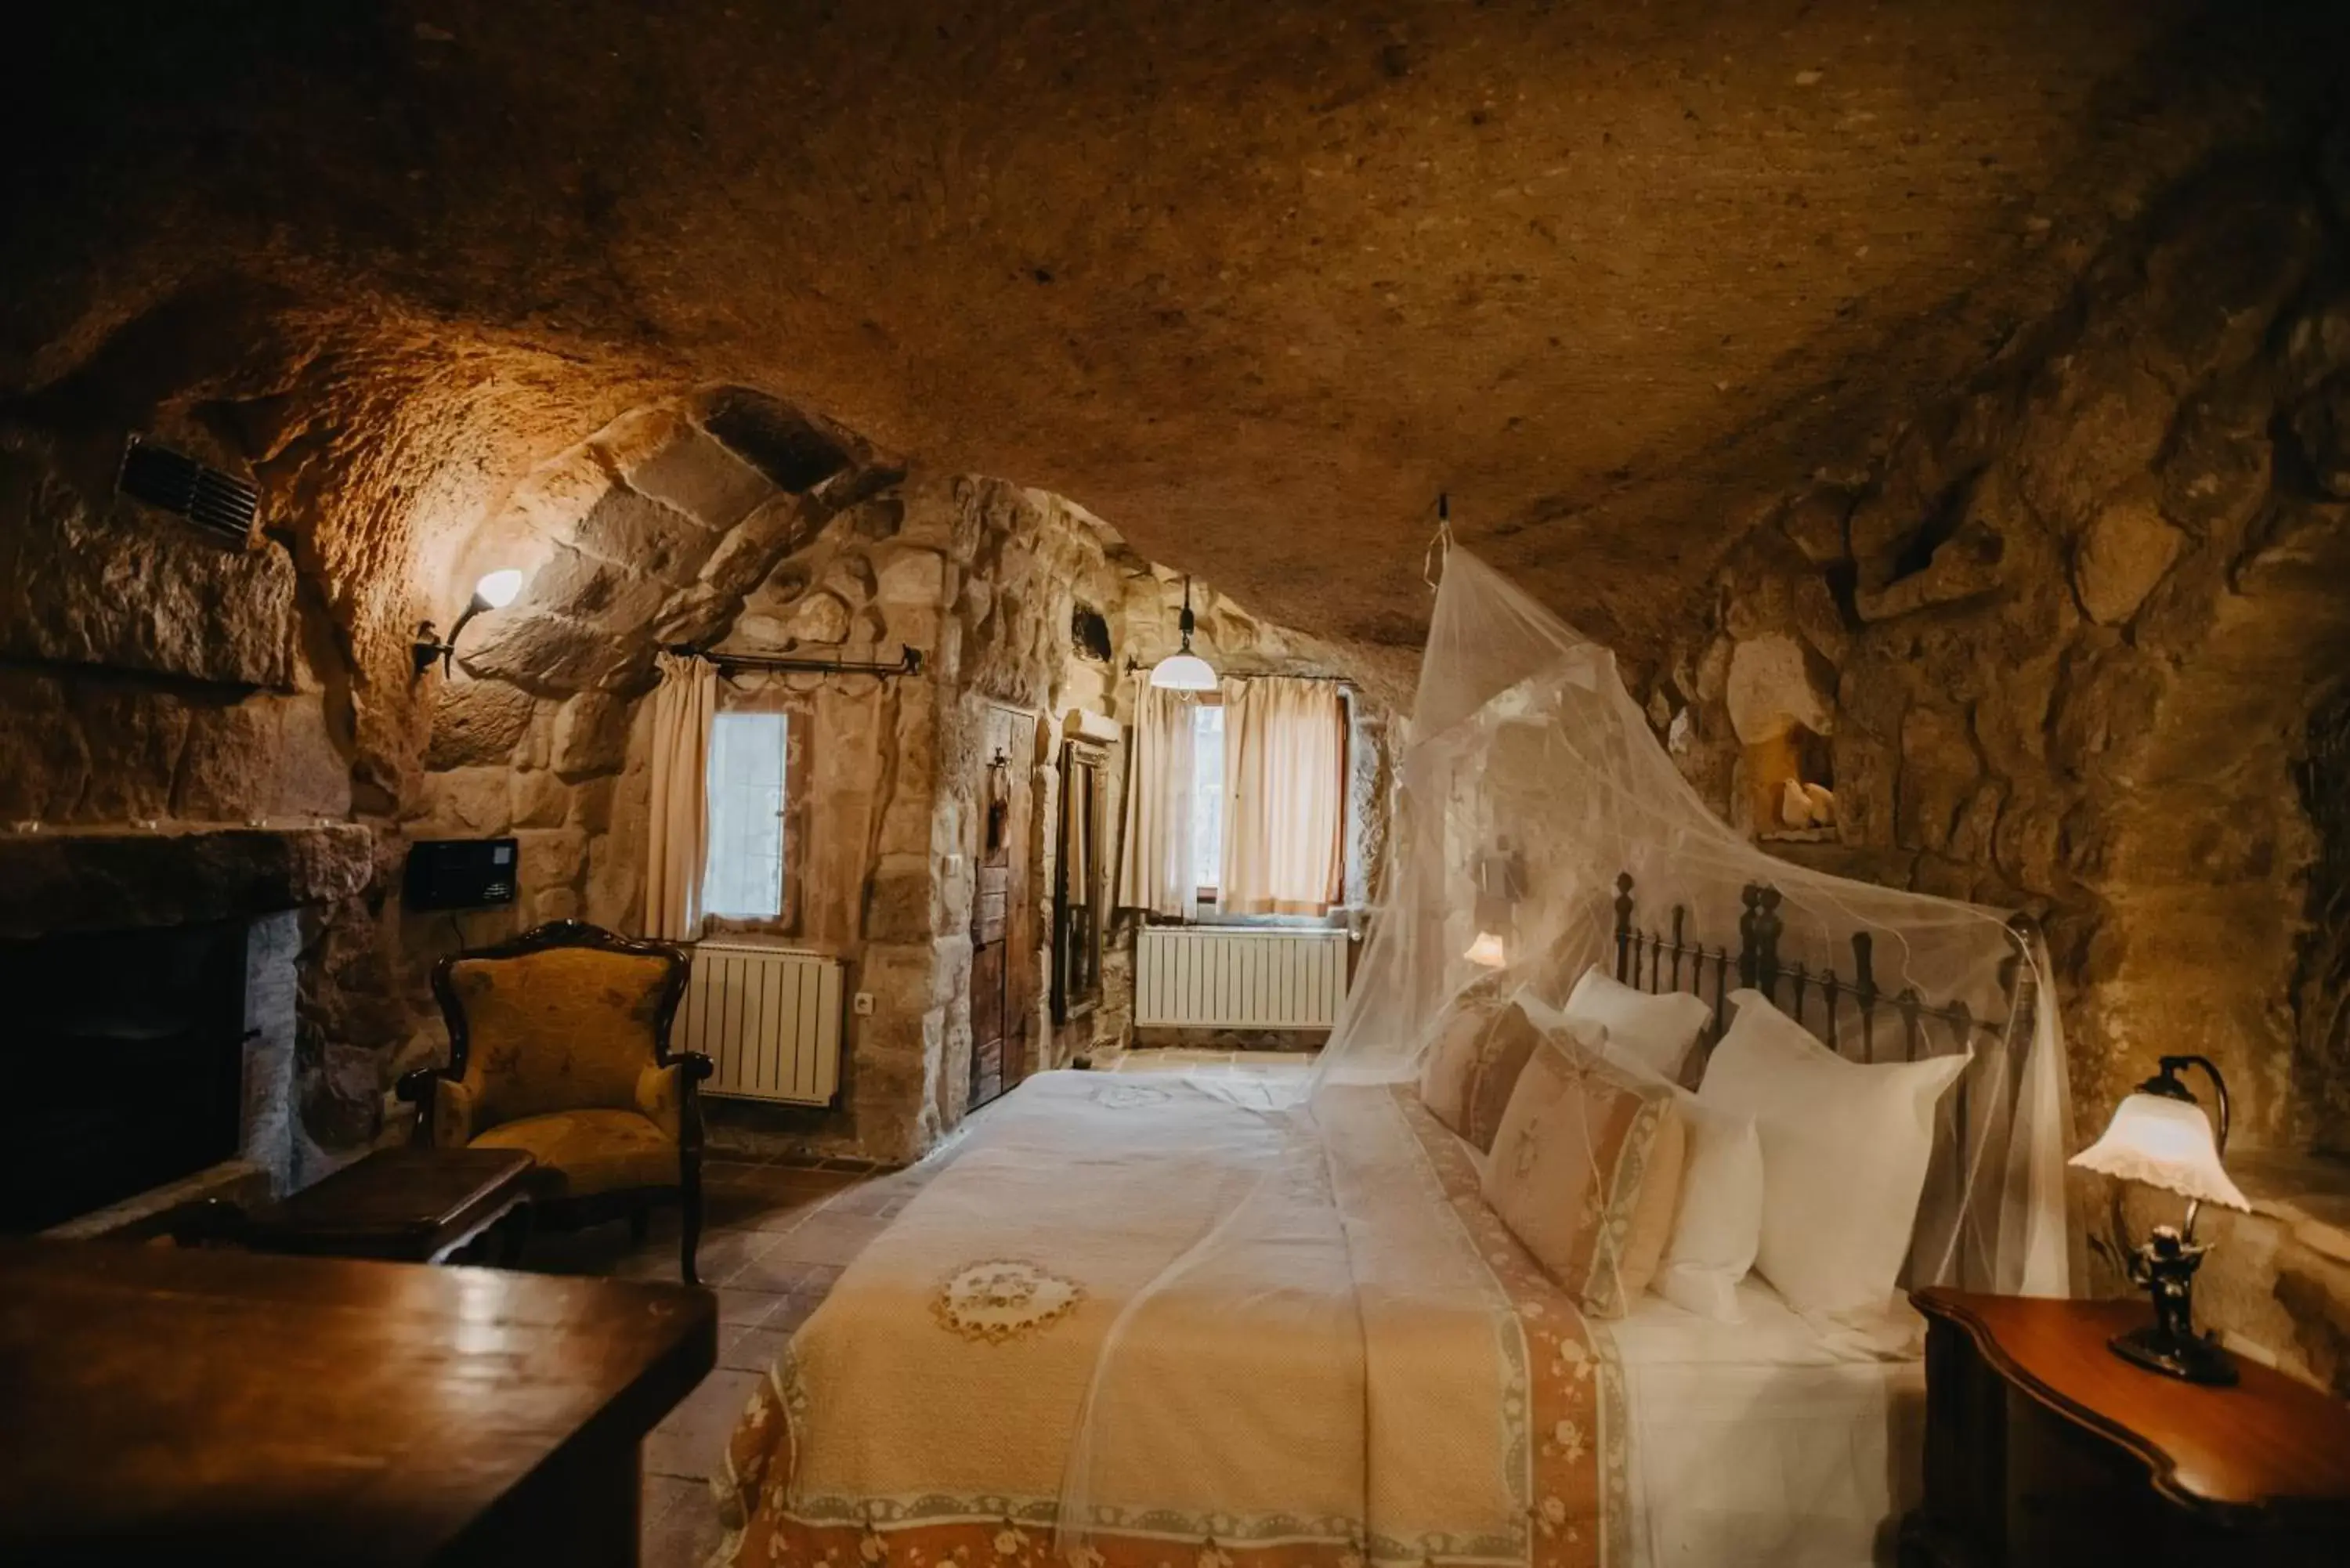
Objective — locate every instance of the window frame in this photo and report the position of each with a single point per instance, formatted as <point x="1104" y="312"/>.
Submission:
<point x="1349" y="868"/>
<point x="798" y="716"/>
<point x="1208" y="892"/>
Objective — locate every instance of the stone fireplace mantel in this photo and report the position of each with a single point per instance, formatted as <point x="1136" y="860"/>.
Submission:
<point x="117" y="879"/>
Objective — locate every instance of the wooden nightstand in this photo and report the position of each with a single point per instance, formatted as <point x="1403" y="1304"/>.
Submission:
<point x="2044" y="1448"/>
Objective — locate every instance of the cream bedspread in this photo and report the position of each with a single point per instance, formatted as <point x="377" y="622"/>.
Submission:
<point x="1291" y="1338"/>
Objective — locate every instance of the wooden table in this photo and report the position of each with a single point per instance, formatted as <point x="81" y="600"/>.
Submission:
<point x="2045" y="1447"/>
<point x="175" y="1405"/>
<point x="406" y="1205"/>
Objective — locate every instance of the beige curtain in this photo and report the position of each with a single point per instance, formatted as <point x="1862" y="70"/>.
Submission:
<point x="684" y="703"/>
<point x="1284" y="796"/>
<point x="1155" y="870"/>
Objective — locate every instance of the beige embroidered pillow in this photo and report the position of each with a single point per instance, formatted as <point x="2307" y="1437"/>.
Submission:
<point x="1585" y="1169"/>
<point x="1502" y="1056"/>
<point x="1448" y="1074"/>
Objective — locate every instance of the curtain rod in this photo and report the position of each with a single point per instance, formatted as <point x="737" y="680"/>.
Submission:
<point x="909" y="662"/>
<point x="1136" y="666"/>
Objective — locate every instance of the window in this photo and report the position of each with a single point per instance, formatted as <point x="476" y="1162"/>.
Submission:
<point x="743" y="875"/>
<point x="1207" y="797"/>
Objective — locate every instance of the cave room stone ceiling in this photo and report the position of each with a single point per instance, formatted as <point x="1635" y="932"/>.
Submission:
<point x="1252" y="281"/>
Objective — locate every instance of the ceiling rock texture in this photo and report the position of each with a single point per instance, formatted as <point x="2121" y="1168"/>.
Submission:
<point x="1253" y="281"/>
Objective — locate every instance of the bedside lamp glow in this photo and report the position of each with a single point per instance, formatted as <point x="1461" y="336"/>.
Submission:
<point x="2159" y="1138"/>
<point x="1489" y="950"/>
<point x="2158" y="1141"/>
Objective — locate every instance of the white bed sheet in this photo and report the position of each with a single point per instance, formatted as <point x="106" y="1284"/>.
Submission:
<point x="1771" y="1443"/>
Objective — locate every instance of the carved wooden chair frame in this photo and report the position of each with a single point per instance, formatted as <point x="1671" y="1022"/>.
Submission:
<point x="634" y="1202"/>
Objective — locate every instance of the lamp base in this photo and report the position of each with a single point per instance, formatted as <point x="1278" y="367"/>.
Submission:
<point x="2166" y="1266"/>
<point x="2194" y="1357"/>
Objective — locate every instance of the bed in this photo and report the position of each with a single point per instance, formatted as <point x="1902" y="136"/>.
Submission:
<point x="1149" y="1319"/>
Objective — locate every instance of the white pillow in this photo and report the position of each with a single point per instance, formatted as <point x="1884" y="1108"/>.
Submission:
<point x="1655" y="1031"/>
<point x="1845" y="1149"/>
<point x="1719" y="1226"/>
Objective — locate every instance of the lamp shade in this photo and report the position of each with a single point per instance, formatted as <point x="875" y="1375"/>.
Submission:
<point x="1184" y="671"/>
<point x="2166" y="1143"/>
<point x="1489" y="950"/>
<point x="497" y="589"/>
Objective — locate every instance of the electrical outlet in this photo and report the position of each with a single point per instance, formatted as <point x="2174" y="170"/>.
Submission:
<point x="864" y="1004"/>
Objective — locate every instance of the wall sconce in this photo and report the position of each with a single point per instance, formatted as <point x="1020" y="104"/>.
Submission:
<point x="494" y="591"/>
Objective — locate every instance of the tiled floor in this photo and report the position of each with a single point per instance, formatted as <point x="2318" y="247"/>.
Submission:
<point x="775" y="1237"/>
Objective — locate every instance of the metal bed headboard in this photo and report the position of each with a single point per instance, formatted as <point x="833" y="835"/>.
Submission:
<point x="1659" y="960"/>
<point x="1642" y="957"/>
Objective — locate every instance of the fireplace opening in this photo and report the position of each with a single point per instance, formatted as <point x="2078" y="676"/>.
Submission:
<point x="124" y="1065"/>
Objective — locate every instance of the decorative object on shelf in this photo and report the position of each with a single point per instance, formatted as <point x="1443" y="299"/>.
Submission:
<point x="1806" y="805"/>
<point x="2159" y="1137"/>
<point x="1184" y="670"/>
<point x="220" y="504"/>
<point x="494" y="591"/>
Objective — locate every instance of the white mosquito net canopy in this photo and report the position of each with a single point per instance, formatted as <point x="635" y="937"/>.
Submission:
<point x="1530" y="785"/>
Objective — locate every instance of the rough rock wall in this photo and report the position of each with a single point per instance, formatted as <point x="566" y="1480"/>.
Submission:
<point x="985" y="576"/>
<point x="679" y="522"/>
<point x="148" y="675"/>
<point x="2065" y="637"/>
<point x="2075" y="642"/>
<point x="2321" y="996"/>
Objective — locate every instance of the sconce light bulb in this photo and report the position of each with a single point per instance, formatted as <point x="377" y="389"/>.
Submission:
<point x="497" y="589"/>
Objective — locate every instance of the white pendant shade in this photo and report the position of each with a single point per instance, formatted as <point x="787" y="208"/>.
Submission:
<point x="1489" y="950"/>
<point x="1185" y="671"/>
<point x="2164" y="1143"/>
<point x="497" y="589"/>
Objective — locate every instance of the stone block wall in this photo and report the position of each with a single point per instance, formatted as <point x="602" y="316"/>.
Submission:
<point x="151" y="675"/>
<point x="154" y="681"/>
<point x="655" y="530"/>
<point x="2075" y="639"/>
<point x="2067" y="637"/>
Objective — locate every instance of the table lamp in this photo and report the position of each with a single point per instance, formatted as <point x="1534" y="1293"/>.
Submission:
<point x="2159" y="1137"/>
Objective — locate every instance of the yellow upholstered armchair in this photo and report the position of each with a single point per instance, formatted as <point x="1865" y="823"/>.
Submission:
<point x="559" y="1045"/>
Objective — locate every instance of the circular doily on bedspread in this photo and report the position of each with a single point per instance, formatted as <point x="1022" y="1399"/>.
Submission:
<point x="1003" y="1298"/>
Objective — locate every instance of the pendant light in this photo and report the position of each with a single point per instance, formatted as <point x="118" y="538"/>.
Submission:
<point x="1186" y="670"/>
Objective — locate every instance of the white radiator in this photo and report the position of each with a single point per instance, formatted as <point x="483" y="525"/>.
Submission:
<point x="769" y="1017"/>
<point x="1238" y="976"/>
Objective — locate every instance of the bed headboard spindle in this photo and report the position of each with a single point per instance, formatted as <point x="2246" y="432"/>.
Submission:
<point x="1642" y="955"/>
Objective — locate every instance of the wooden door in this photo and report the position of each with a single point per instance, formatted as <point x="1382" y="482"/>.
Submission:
<point x="1003" y="914"/>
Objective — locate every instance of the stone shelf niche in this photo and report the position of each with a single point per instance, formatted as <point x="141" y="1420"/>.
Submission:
<point x="131" y="880"/>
